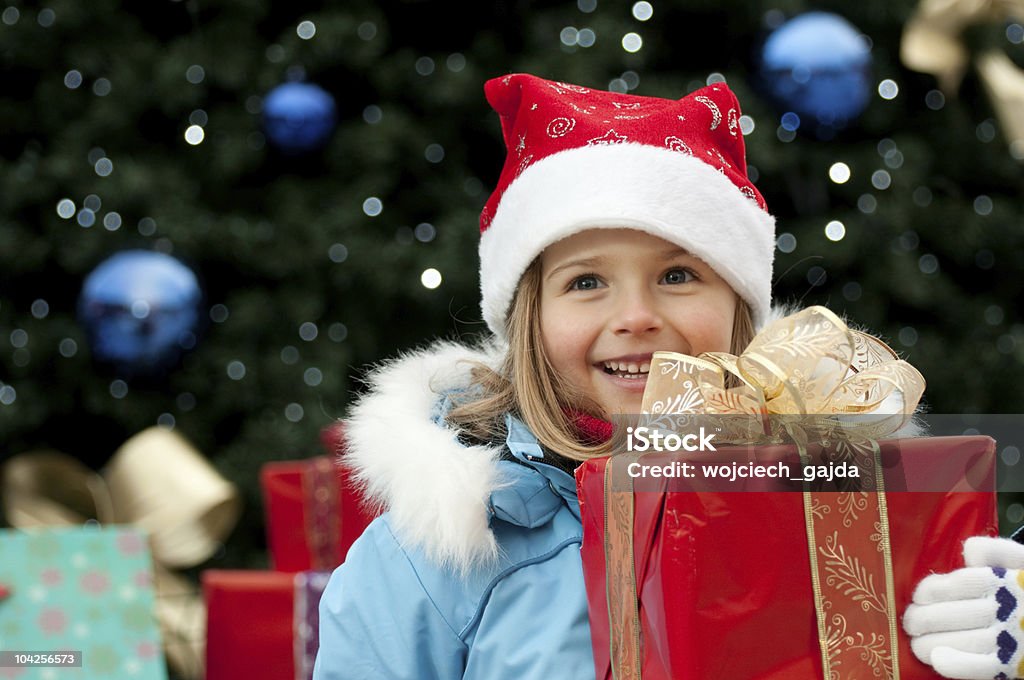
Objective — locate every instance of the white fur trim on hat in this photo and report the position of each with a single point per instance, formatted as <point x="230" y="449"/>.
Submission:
<point x="665" y="193"/>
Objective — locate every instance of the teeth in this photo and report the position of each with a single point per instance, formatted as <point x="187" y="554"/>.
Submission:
<point x="628" y="368"/>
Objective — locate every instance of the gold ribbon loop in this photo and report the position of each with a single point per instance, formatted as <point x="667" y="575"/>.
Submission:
<point x="931" y="40"/>
<point x="49" y="488"/>
<point x="161" y="483"/>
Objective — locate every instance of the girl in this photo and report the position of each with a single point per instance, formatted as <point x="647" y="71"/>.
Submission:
<point x="621" y="225"/>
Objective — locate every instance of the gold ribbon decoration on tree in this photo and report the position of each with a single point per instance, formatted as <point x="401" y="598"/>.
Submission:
<point x="932" y="44"/>
<point x="806" y="378"/>
<point x="157" y="482"/>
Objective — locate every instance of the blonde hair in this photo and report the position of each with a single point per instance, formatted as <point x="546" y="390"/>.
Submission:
<point x="528" y="386"/>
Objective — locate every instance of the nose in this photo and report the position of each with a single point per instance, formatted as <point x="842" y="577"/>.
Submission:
<point x="637" y="313"/>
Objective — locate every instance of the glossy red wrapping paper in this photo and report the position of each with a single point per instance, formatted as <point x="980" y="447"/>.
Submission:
<point x="250" y="624"/>
<point x="724" y="577"/>
<point x="314" y="512"/>
<point x="262" y="625"/>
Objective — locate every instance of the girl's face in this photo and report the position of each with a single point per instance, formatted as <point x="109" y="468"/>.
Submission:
<point x="612" y="297"/>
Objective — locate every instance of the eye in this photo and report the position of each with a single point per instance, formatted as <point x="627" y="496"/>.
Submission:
<point x="677" y="276"/>
<point x="585" y="282"/>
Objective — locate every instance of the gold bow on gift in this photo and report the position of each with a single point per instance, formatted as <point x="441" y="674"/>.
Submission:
<point x="157" y="482"/>
<point x="806" y="378"/>
<point x="809" y="363"/>
<point x="932" y="44"/>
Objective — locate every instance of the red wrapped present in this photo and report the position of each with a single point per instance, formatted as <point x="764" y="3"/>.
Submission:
<point x="734" y="583"/>
<point x="313" y="512"/>
<point x="775" y="572"/>
<point x="262" y="625"/>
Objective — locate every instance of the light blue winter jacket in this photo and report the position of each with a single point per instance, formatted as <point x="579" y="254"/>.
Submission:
<point x="474" y="571"/>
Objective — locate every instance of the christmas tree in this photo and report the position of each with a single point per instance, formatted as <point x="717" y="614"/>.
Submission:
<point x="148" y="126"/>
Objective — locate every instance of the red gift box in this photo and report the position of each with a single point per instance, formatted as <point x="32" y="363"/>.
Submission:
<point x="261" y="625"/>
<point x="723" y="579"/>
<point x="314" y="513"/>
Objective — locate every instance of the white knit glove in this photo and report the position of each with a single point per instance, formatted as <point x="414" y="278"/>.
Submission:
<point x="968" y="624"/>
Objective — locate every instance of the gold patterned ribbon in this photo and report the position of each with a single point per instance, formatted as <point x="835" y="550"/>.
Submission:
<point x="157" y="482"/>
<point x="620" y="583"/>
<point x="847" y="389"/>
<point x="848" y="546"/>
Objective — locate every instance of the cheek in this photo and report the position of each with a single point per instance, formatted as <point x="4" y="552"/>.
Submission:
<point x="723" y="323"/>
<point x="725" y="336"/>
<point x="710" y="328"/>
<point x="565" y="342"/>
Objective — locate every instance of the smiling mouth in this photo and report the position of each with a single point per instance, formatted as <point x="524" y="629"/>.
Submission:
<point x="630" y="371"/>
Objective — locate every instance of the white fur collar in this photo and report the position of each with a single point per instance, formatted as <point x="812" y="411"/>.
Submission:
<point x="436" y="489"/>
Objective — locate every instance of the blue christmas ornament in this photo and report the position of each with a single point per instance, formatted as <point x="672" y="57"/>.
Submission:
<point x="818" y="66"/>
<point x="140" y="311"/>
<point x="298" y="117"/>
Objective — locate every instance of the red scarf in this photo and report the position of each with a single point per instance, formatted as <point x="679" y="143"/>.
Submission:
<point x="591" y="429"/>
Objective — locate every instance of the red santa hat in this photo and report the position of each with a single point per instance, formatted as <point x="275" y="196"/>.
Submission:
<point x="583" y="159"/>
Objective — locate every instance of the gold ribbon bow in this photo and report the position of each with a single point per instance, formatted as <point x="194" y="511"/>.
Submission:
<point x="157" y="482"/>
<point x="806" y="377"/>
<point x="807" y="364"/>
<point x="931" y="44"/>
